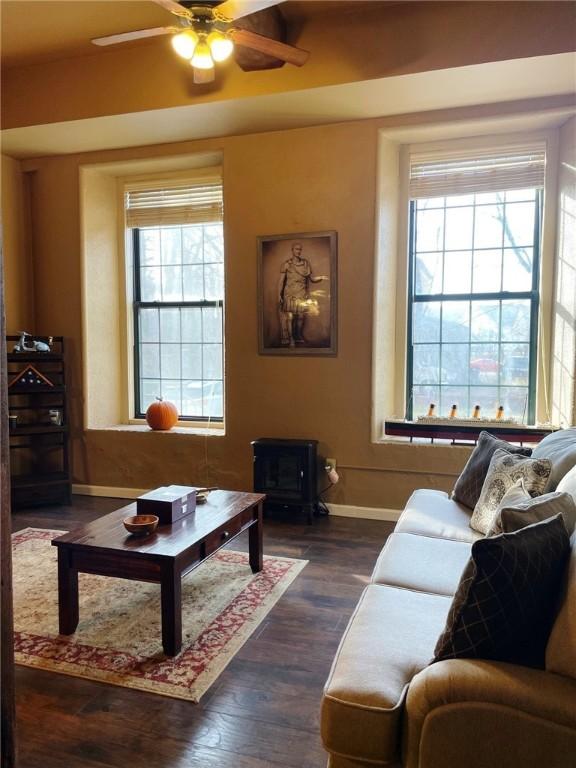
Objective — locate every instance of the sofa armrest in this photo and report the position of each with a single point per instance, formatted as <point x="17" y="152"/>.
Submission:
<point x="481" y="713"/>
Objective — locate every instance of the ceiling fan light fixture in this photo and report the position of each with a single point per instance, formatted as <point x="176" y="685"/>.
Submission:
<point x="202" y="58"/>
<point x="221" y="46"/>
<point x="185" y="43"/>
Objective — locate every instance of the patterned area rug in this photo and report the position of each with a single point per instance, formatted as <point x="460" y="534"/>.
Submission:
<point x="118" y="639"/>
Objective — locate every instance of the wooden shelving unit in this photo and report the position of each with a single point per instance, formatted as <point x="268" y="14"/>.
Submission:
<point x="39" y="447"/>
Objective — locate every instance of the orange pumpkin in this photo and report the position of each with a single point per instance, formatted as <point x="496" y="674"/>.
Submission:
<point x="161" y="415"/>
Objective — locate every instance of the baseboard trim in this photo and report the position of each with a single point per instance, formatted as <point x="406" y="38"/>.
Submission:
<point x="110" y="491"/>
<point x="338" y="510"/>
<point x="365" y="513"/>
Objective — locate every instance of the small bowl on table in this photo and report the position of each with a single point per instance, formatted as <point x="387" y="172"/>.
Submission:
<point x="141" y="525"/>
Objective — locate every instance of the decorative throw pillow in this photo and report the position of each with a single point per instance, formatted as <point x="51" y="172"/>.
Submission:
<point x="506" y="470"/>
<point x="505" y="603"/>
<point x="513" y="518"/>
<point x="513" y="497"/>
<point x="469" y="485"/>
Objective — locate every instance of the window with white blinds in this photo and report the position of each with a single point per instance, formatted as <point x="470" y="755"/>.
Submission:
<point x="489" y="171"/>
<point x="178" y="287"/>
<point x="474" y="265"/>
<point x="178" y="204"/>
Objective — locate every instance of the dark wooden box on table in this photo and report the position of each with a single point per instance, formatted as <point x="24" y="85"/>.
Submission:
<point x="170" y="503"/>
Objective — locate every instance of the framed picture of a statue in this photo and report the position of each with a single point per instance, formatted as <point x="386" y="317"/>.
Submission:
<point x="297" y="294"/>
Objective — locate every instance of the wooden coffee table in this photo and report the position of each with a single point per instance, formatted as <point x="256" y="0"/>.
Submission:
<point x="105" y="548"/>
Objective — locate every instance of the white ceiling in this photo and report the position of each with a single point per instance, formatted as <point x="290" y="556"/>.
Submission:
<point x="491" y="83"/>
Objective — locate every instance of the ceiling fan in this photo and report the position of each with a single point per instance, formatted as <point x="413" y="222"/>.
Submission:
<point x="207" y="33"/>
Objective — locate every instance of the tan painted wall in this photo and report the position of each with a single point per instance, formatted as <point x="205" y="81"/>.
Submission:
<point x="291" y="181"/>
<point x="564" y="351"/>
<point x="383" y="41"/>
<point x="18" y="277"/>
<point x="101" y="297"/>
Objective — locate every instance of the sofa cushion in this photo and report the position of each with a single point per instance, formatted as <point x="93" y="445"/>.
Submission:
<point x="505" y="604"/>
<point x="560" y="448"/>
<point x="469" y="485"/>
<point x="568" y="484"/>
<point x="504" y="472"/>
<point x="389" y="639"/>
<point x="422" y="563"/>
<point x="432" y="513"/>
<point x="561" y="648"/>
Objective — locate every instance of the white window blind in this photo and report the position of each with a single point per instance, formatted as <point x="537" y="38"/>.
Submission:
<point x="176" y="203"/>
<point x="480" y="171"/>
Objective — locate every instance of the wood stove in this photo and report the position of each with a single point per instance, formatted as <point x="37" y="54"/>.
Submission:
<point x="287" y="472"/>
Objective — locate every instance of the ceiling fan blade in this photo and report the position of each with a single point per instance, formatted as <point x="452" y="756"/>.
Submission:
<point x="138" y="34"/>
<point x="289" y="53"/>
<point x="230" y="10"/>
<point x="174" y="7"/>
<point x="203" y="75"/>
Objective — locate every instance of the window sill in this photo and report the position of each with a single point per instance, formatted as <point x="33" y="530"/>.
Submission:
<point x="464" y="434"/>
<point x="424" y="442"/>
<point x="193" y="429"/>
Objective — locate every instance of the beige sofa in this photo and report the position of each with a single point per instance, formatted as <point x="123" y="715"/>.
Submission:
<point x="385" y="704"/>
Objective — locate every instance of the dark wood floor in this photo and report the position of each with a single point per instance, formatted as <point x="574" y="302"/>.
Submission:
<point x="263" y="709"/>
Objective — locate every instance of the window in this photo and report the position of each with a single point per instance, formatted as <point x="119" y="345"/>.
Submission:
<point x="178" y="258"/>
<point x="473" y="282"/>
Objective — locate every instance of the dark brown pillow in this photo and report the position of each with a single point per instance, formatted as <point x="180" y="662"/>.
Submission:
<point x="505" y="603"/>
<point x="469" y="485"/>
<point x="512" y="518"/>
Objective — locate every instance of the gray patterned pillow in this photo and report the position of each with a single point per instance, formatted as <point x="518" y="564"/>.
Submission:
<point x="506" y="470"/>
<point x="469" y="485"/>
<point x="505" y="603"/>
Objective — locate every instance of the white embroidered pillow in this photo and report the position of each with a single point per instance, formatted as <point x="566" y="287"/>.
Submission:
<point x="504" y="472"/>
